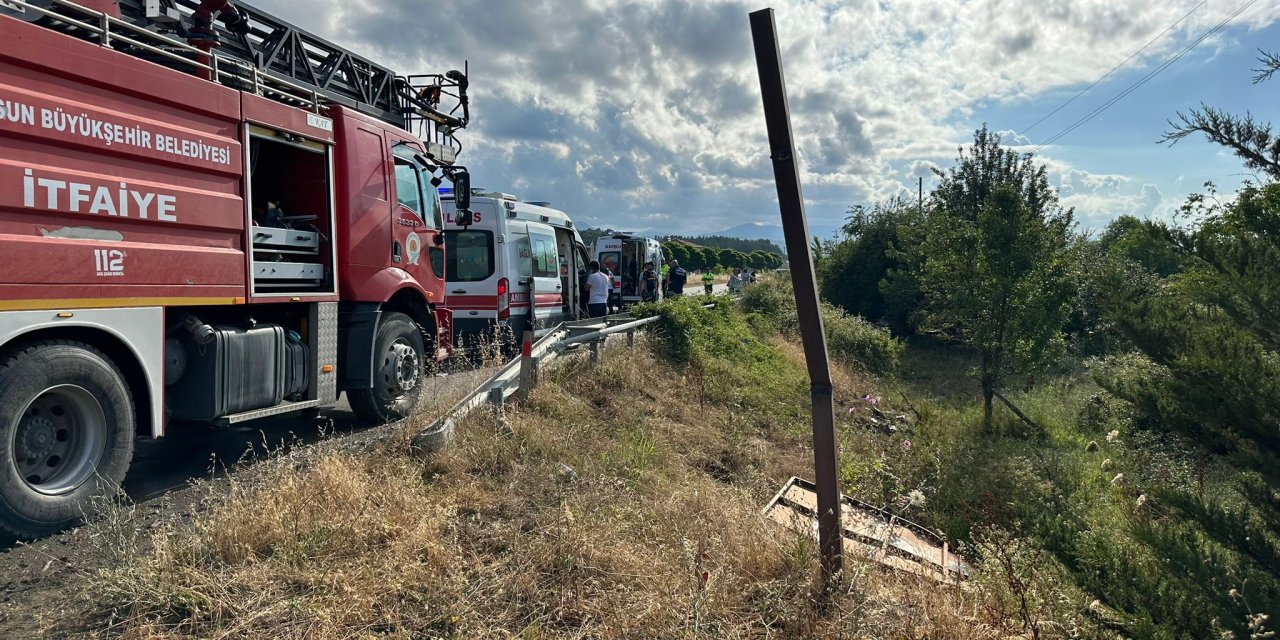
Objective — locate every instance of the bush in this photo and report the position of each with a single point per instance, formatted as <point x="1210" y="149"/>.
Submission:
<point x="691" y="332"/>
<point x="849" y="338"/>
<point x="855" y="340"/>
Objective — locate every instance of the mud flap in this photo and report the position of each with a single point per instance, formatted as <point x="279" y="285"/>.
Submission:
<point x="444" y="333"/>
<point x="357" y="328"/>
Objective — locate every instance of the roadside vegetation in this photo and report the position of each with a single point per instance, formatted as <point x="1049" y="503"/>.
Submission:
<point x="1091" y="421"/>
<point x="625" y="504"/>
<point x="1100" y="411"/>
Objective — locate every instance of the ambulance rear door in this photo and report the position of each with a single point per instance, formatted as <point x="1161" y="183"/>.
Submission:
<point x="473" y="271"/>
<point x="546" y="290"/>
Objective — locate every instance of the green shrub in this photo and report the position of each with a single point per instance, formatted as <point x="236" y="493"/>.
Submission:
<point x="853" y="339"/>
<point x="772" y="303"/>
<point x="690" y="331"/>
<point x="734" y="362"/>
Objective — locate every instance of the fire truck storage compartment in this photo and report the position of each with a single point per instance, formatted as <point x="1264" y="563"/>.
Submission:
<point x="292" y="219"/>
<point x="236" y="370"/>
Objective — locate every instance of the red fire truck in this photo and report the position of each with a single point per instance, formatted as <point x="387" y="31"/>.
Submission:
<point x="206" y="215"/>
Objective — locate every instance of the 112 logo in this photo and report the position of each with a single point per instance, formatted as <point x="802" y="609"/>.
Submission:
<point x="108" y="262"/>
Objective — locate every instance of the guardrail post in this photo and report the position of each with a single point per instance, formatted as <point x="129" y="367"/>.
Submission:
<point x="595" y="352"/>
<point x="631" y="338"/>
<point x="528" y="370"/>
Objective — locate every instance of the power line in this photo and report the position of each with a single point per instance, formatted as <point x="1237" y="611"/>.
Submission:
<point x="1155" y="72"/>
<point x="1115" y="68"/>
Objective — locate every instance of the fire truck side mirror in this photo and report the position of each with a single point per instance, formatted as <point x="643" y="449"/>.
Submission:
<point x="462" y="199"/>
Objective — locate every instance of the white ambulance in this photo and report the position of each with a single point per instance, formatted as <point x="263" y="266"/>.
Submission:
<point x="625" y="256"/>
<point x="520" y="266"/>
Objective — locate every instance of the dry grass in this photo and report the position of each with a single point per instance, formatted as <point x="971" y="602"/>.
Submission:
<point x="625" y="506"/>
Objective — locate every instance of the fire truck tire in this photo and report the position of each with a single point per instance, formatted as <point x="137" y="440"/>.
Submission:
<point x="66" y="434"/>
<point x="399" y="354"/>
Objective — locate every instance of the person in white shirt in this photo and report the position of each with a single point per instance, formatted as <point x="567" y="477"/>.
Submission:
<point x="599" y="286"/>
<point x="738" y="281"/>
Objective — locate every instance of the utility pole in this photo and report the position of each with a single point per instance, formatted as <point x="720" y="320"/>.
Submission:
<point x="920" y="197"/>
<point x="777" y="117"/>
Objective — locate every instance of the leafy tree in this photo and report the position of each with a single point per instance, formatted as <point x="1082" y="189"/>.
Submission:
<point x="697" y="259"/>
<point x="994" y="263"/>
<point x="1151" y="244"/>
<point x="820" y="250"/>
<point x="1213" y="332"/>
<point x="676" y="251"/>
<point x="965" y="189"/>
<point x="727" y="258"/>
<point x="854" y="276"/>
<point x="1208" y="362"/>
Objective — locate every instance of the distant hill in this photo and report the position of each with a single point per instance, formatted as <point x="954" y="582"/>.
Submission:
<point x="772" y="232"/>
<point x="757" y="231"/>
<point x="746" y="237"/>
<point x="729" y="242"/>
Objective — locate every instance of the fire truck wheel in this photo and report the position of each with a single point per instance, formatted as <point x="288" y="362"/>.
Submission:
<point x="66" y="434"/>
<point x="398" y="361"/>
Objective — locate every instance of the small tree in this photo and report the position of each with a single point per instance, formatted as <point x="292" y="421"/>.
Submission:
<point x="727" y="258"/>
<point x="697" y="259"/>
<point x="676" y="251"/>
<point x="994" y="265"/>
<point x="854" y="275"/>
<point x="1151" y="244"/>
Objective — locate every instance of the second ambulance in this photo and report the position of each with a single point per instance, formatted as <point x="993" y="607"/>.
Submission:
<point x="520" y="266"/>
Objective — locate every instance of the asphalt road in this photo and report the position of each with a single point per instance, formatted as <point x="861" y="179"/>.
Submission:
<point x="694" y="289"/>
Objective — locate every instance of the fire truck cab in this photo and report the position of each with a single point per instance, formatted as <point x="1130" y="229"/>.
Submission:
<point x="201" y="233"/>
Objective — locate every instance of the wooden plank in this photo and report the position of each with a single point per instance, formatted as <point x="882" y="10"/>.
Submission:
<point x="896" y="543"/>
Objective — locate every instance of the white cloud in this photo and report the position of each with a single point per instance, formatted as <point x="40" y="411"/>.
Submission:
<point x="615" y="109"/>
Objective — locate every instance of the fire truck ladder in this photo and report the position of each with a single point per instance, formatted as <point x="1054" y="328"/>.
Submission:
<point x="266" y="56"/>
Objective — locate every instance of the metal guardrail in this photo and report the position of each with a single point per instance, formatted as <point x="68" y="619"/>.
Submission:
<point x="520" y="374"/>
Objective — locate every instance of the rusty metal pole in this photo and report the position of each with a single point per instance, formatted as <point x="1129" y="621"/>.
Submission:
<point x="795" y="226"/>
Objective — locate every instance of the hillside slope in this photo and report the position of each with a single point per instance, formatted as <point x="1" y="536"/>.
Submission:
<point x="625" y="505"/>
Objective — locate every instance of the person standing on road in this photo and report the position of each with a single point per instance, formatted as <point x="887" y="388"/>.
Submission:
<point x="599" y="285"/>
<point x="708" y="281"/>
<point x="676" y="278"/>
<point x="649" y="284"/>
<point x="737" y="281"/>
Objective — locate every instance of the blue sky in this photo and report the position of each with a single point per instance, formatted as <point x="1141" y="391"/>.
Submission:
<point x="645" y="114"/>
<point x="1122" y="141"/>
